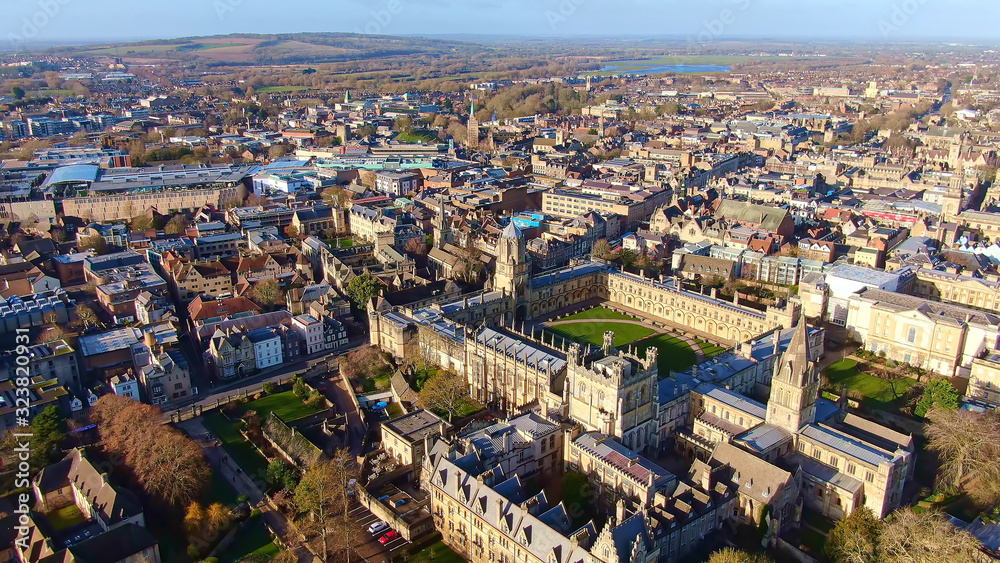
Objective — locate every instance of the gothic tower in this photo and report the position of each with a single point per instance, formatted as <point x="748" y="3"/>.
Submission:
<point x="512" y="263"/>
<point x="795" y="385"/>
<point x="442" y="227"/>
<point x="473" y="128"/>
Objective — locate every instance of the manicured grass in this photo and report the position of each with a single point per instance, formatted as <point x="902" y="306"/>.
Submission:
<point x="220" y="490"/>
<point x="599" y="313"/>
<point x="255" y="539"/>
<point x="394" y="411"/>
<point x="346" y="243"/>
<point x="65" y="517"/>
<point x="238" y="448"/>
<point x="878" y="393"/>
<point x="593" y="333"/>
<point x="284" y="404"/>
<point x="673" y="354"/>
<point x="436" y="553"/>
<point x="710" y="350"/>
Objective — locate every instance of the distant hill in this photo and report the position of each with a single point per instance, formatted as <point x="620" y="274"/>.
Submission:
<point x="295" y="48"/>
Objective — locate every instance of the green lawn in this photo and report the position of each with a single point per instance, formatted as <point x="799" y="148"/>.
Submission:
<point x="65" y="517"/>
<point x="674" y="354"/>
<point x="284" y="404"/>
<point x="346" y="243"/>
<point x="593" y="333"/>
<point x="599" y="313"/>
<point x="710" y="350"/>
<point x="238" y="448"/>
<point x="878" y="393"/>
<point x="436" y="553"/>
<point x="219" y="490"/>
<point x="255" y="539"/>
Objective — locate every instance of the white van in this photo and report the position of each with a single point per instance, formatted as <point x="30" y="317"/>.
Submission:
<point x="377" y="527"/>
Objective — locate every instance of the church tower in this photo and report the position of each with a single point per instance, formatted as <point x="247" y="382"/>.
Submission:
<point x="795" y="385"/>
<point x="442" y="227"/>
<point x="954" y="200"/>
<point x="347" y="97"/>
<point x="512" y="263"/>
<point x="473" y="128"/>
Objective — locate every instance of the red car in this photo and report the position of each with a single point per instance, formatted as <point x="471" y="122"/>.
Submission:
<point x="388" y="537"/>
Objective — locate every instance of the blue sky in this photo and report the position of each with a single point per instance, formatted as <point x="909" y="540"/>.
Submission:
<point x="45" y="21"/>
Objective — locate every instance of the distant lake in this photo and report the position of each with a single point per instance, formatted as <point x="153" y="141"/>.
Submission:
<point x="651" y="67"/>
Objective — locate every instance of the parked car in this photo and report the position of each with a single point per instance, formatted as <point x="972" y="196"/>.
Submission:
<point x="377" y="527"/>
<point x="383" y="498"/>
<point x="400" y="502"/>
<point x="388" y="537"/>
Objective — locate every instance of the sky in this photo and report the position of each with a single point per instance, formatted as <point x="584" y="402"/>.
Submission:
<point x="39" y="22"/>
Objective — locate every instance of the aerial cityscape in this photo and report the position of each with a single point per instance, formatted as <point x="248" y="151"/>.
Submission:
<point x="432" y="281"/>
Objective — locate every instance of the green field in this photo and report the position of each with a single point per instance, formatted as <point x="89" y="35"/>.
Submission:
<point x="710" y="350"/>
<point x="280" y="89"/>
<point x="243" y="452"/>
<point x="673" y="354"/>
<point x="65" y="517"/>
<point x="254" y="540"/>
<point x="593" y="333"/>
<point x="209" y="46"/>
<point x="878" y="393"/>
<point x="49" y="92"/>
<point x="436" y="553"/>
<point x="599" y="313"/>
<point x="134" y="49"/>
<point x="285" y="404"/>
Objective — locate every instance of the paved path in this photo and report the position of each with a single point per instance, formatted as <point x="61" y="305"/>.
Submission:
<point x="245" y="485"/>
<point x="698" y="354"/>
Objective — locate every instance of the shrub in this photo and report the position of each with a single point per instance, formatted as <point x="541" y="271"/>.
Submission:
<point x="255" y="513"/>
<point x="269" y="388"/>
<point x="243" y="498"/>
<point x="192" y="551"/>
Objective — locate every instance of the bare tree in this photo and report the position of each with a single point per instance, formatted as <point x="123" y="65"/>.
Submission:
<point x="323" y="494"/>
<point x="445" y="392"/>
<point x="909" y="537"/>
<point x="602" y="249"/>
<point x="968" y="444"/>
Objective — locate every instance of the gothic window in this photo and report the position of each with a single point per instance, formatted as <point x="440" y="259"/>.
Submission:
<point x="911" y="335"/>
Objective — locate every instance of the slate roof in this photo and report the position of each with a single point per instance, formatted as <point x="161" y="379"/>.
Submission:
<point x="755" y="477"/>
<point x="846" y="444"/>
<point x="622" y="459"/>
<point x="112" y="505"/>
<point x="733" y="399"/>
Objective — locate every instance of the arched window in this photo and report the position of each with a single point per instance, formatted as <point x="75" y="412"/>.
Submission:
<point x="911" y="335"/>
<point x="583" y="390"/>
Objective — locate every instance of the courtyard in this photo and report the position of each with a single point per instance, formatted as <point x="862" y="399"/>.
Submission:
<point x="676" y="352"/>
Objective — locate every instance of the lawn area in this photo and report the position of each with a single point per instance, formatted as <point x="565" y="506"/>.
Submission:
<point x="436" y="553"/>
<point x="710" y="350"/>
<point x="593" y="333"/>
<point x="219" y="490"/>
<point x="284" y="404"/>
<point x="65" y="517"/>
<point x="242" y="451"/>
<point x="878" y="393"/>
<point x="255" y="539"/>
<point x="674" y="353"/>
<point x="345" y="243"/>
<point x="599" y="313"/>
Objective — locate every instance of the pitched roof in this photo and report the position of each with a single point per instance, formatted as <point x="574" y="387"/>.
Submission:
<point x="755" y="477"/>
<point x="111" y="504"/>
